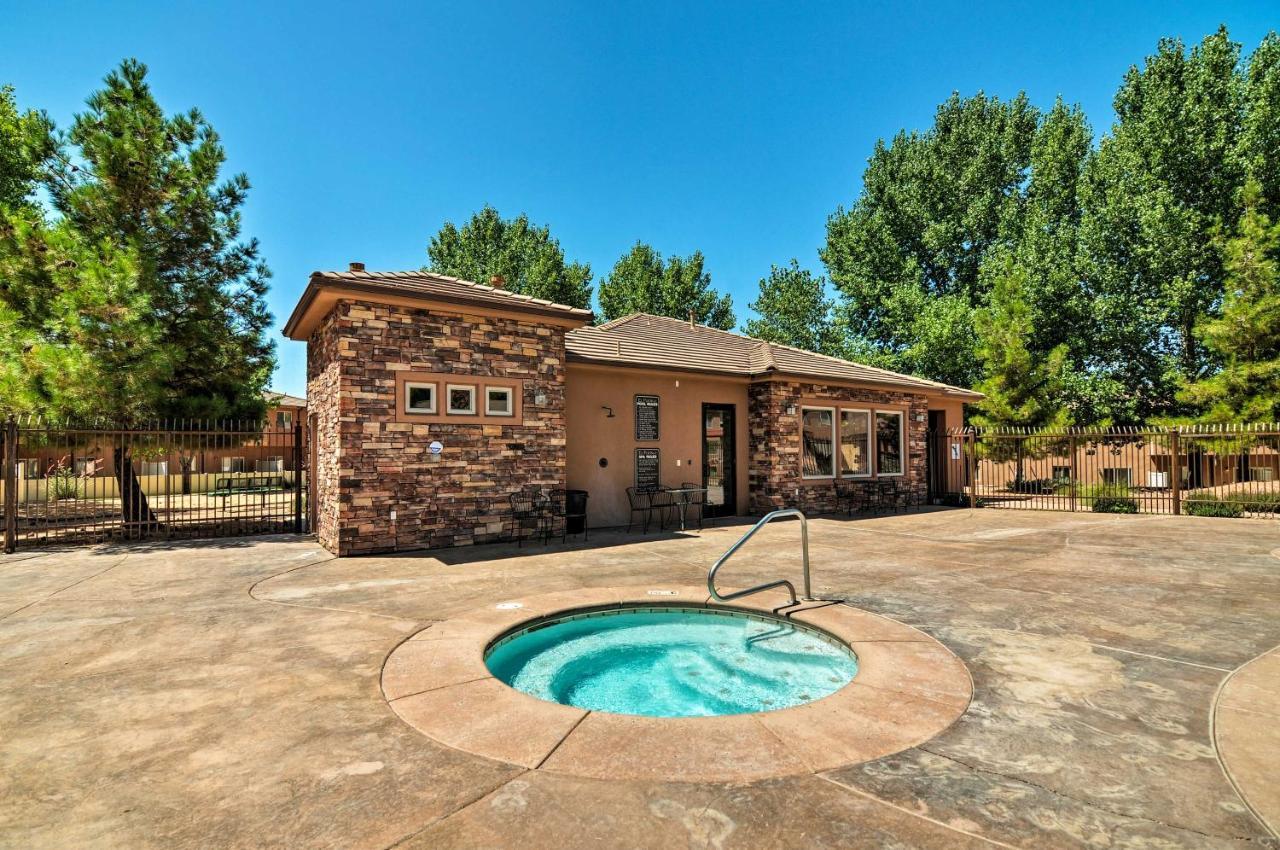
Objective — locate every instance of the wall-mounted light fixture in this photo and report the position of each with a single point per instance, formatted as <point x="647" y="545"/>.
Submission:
<point x="608" y="411"/>
<point x="791" y="410"/>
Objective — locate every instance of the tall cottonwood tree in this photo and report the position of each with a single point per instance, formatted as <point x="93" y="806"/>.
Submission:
<point x="906" y="256"/>
<point x="1164" y="177"/>
<point x="528" y="259"/>
<point x="793" y="309"/>
<point x="643" y="282"/>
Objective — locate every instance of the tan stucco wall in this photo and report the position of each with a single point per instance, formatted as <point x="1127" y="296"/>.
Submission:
<point x="591" y="435"/>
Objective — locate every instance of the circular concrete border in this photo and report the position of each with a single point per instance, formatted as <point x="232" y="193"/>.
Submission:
<point x="909" y="688"/>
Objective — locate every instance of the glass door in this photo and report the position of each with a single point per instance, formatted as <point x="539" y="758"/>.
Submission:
<point x="718" y="474"/>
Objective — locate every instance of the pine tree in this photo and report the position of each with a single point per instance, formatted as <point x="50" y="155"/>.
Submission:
<point x="136" y="300"/>
<point x="1247" y="334"/>
<point x="1023" y="388"/>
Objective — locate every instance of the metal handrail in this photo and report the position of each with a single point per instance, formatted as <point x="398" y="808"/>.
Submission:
<point x="804" y="550"/>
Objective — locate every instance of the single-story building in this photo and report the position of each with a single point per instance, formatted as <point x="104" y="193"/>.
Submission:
<point x="432" y="399"/>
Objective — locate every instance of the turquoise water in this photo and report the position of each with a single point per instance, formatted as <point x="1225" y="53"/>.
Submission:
<point x="672" y="662"/>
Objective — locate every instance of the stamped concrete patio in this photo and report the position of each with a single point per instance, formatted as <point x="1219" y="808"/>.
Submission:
<point x="227" y="693"/>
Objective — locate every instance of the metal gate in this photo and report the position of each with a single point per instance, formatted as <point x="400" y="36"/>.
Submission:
<point x="173" y="479"/>
<point x="1226" y="470"/>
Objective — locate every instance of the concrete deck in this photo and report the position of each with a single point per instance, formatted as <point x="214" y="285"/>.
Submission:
<point x="227" y="693"/>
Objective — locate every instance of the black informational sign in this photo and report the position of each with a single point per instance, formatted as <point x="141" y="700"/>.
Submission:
<point x="646" y="468"/>
<point x="646" y="417"/>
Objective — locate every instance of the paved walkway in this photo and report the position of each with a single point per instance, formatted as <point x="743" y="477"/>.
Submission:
<point x="227" y="693"/>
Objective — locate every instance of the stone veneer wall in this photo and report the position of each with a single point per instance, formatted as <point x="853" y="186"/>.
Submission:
<point x="773" y="457"/>
<point x="323" y="414"/>
<point x="369" y="464"/>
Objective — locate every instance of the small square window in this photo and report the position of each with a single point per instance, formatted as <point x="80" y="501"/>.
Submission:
<point x="419" y="398"/>
<point x="497" y="401"/>
<point x="462" y="399"/>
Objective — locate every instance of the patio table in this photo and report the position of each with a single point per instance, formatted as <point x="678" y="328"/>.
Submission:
<point x="683" y="497"/>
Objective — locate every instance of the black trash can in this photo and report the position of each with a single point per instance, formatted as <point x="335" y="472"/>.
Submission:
<point x="575" y="511"/>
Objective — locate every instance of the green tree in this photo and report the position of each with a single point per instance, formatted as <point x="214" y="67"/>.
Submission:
<point x="1164" y="177"/>
<point x="794" y="310"/>
<point x="933" y="205"/>
<point x="1259" y="144"/>
<point x="526" y="257"/>
<point x="138" y="300"/>
<point x="1246" y="336"/>
<point x="26" y="147"/>
<point x="1023" y="389"/>
<point x="642" y="282"/>
<point x="147" y="182"/>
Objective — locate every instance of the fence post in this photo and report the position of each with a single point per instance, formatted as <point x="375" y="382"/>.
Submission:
<point x="1175" y="472"/>
<point x="11" y="485"/>
<point x="971" y="460"/>
<point x="297" y="477"/>
<point x="1073" y="450"/>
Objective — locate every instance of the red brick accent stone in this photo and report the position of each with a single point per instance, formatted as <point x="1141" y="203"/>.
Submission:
<point x="773" y="471"/>
<point x="368" y="464"/>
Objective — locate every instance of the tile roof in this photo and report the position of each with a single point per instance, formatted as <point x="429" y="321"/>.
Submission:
<point x="274" y="398"/>
<point x="429" y="285"/>
<point x="659" y="342"/>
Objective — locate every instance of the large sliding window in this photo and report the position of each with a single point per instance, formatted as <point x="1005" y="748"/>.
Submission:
<point x="818" y="437"/>
<point x="888" y="442"/>
<point x="855" y="442"/>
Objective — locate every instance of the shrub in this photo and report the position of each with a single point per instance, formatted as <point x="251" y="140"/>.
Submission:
<point x="1237" y="506"/>
<point x="1110" y="499"/>
<point x="63" y="483"/>
<point x="1214" y="507"/>
<point x="1037" y="486"/>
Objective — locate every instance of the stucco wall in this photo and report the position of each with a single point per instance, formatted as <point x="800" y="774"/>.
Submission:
<point x="775" y="476"/>
<point x="369" y="464"/>
<point x="592" y="435"/>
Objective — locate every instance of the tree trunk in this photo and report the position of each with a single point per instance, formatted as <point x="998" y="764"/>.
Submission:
<point x="135" y="510"/>
<point x="186" y="463"/>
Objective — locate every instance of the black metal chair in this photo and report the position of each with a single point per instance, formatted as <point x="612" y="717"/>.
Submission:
<point x="695" y="499"/>
<point x="527" y="505"/>
<point x="641" y="502"/>
<point x="851" y="496"/>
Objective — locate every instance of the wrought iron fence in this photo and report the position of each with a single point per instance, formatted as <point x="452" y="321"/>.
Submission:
<point x="1229" y="470"/>
<point x="172" y="479"/>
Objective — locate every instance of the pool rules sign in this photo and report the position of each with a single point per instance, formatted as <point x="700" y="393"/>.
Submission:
<point x="646" y="418"/>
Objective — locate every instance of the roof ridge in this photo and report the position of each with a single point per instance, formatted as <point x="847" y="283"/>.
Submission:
<point x="770" y="363"/>
<point x="863" y="365"/>
<point x="426" y="275"/>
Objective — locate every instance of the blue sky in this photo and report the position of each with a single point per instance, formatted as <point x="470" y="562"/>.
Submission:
<point x="733" y="128"/>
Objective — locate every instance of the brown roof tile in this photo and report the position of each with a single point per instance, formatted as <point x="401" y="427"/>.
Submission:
<point x="659" y="342"/>
<point x="430" y="286"/>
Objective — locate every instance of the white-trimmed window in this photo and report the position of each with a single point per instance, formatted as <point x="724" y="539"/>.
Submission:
<point x="462" y="399"/>
<point x="234" y="464"/>
<point x="155" y="467"/>
<point x="855" y="442"/>
<point x="889" y="442"/>
<point x="29" y="468"/>
<point x="817" y="435"/>
<point x="270" y="464"/>
<point x="419" y="398"/>
<point x="498" y="401"/>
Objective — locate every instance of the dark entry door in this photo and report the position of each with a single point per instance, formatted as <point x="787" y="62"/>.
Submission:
<point x="935" y="456"/>
<point x="718" y="473"/>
